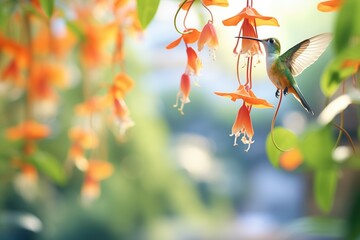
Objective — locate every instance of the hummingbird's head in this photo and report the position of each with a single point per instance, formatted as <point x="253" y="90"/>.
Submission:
<point x="272" y="45"/>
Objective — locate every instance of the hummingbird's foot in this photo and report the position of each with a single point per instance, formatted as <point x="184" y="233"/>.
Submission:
<point x="277" y="93"/>
<point x="286" y="91"/>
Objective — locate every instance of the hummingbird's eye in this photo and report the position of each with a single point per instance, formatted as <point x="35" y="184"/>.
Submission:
<point x="271" y="40"/>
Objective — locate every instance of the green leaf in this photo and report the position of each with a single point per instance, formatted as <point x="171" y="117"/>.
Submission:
<point x="335" y="72"/>
<point x="317" y="226"/>
<point x="347" y="25"/>
<point x="353" y="218"/>
<point x="47" y="6"/>
<point x="317" y="146"/>
<point x="48" y="165"/>
<point x="285" y="139"/>
<point x="146" y="10"/>
<point x="325" y="188"/>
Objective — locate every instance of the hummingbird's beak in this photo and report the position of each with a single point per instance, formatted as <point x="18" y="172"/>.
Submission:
<point x="251" y="38"/>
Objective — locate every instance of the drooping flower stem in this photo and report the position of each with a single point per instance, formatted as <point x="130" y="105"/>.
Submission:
<point x="237" y="69"/>
<point x="273" y="123"/>
<point x="177" y="13"/>
<point x="211" y="15"/>
<point x="249" y="72"/>
<point x="341" y="127"/>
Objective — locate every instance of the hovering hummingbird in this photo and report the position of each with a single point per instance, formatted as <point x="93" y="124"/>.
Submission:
<point x="282" y="69"/>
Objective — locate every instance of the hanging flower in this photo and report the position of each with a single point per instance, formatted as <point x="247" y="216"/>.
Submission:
<point x="248" y="46"/>
<point x="184" y="92"/>
<point x="329" y="6"/>
<point x="253" y="16"/>
<point x="242" y="124"/>
<point x="208" y="36"/>
<point x="28" y="130"/>
<point x="117" y="91"/>
<point x="81" y="140"/>
<point x="193" y="63"/>
<point x="96" y="172"/>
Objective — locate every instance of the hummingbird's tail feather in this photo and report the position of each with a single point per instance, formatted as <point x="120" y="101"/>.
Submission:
<point x="299" y="96"/>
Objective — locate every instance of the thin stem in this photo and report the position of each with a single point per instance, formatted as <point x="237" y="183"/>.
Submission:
<point x="186" y="14"/>
<point x="341" y="119"/>
<point x="347" y="136"/>
<point x="237" y="42"/>
<point x="177" y="13"/>
<point x="237" y="69"/>
<point x="273" y="123"/>
<point x="211" y="15"/>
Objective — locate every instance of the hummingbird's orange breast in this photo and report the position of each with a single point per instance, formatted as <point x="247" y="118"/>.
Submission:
<point x="279" y="74"/>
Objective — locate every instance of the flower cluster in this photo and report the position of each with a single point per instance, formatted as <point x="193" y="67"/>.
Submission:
<point x="189" y="36"/>
<point x="250" y="19"/>
<point x="36" y="67"/>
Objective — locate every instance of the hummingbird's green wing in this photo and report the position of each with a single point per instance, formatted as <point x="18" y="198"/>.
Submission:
<point x="305" y="53"/>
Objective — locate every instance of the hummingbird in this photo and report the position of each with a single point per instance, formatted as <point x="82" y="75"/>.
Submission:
<point x="282" y="69"/>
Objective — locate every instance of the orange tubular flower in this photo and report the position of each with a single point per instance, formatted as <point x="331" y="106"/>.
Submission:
<point x="81" y="140"/>
<point x="329" y="6"/>
<point x="184" y="92"/>
<point x="194" y="63"/>
<point x="243" y="125"/>
<point x="249" y="47"/>
<point x="28" y="130"/>
<point x="96" y="171"/>
<point x="208" y="36"/>
<point x="252" y="19"/>
<point x="292" y="159"/>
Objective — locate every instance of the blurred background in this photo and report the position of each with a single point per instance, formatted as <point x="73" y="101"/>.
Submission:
<point x="176" y="176"/>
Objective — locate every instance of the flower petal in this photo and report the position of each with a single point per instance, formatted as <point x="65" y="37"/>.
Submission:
<point x="329" y="6"/>
<point x="191" y="35"/>
<point x="247" y="96"/>
<point x="208" y="36"/>
<point x="220" y="3"/>
<point x="174" y="43"/>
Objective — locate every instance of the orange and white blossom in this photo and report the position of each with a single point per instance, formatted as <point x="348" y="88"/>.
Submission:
<point x="184" y="92"/>
<point x="242" y="124"/>
<point x="96" y="171"/>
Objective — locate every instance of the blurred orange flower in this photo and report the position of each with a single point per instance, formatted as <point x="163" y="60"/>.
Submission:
<point x="292" y="159"/>
<point x="18" y="52"/>
<point x="29" y="130"/>
<point x="81" y="140"/>
<point x="97" y="171"/>
<point x="329" y="6"/>
<point x="44" y="77"/>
